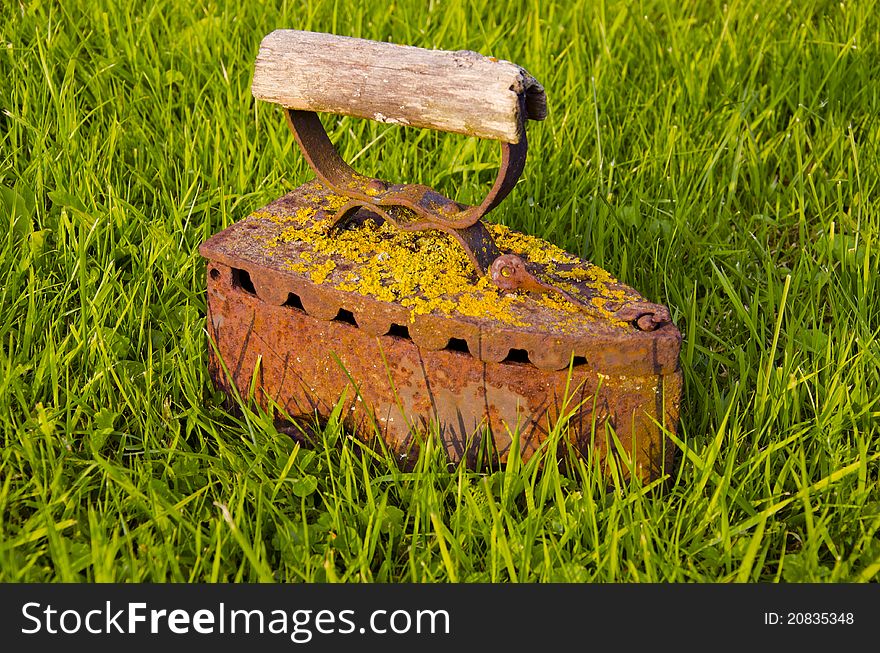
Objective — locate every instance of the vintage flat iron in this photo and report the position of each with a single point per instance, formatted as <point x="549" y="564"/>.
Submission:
<point x="405" y="302"/>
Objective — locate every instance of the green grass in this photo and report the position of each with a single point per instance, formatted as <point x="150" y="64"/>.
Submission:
<point x="720" y="157"/>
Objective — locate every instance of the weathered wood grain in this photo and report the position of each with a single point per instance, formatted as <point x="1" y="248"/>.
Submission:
<point x="461" y="91"/>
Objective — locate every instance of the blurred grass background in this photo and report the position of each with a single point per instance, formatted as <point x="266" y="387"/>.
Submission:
<point x="719" y="157"/>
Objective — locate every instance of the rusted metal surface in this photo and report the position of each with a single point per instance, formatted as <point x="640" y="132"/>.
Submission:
<point x="396" y="390"/>
<point x="510" y="272"/>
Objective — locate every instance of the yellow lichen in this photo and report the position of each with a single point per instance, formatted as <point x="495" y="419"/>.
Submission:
<point x="321" y="271"/>
<point x="534" y="249"/>
<point x="429" y="272"/>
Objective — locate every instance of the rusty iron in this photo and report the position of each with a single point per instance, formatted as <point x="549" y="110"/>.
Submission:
<point x="610" y="359"/>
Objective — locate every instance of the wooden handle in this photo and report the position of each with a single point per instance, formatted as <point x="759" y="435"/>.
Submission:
<point x="463" y="92"/>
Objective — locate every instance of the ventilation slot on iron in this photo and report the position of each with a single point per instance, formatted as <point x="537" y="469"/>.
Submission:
<point x="345" y="316"/>
<point x="457" y="344"/>
<point x="241" y="279"/>
<point x="399" y="331"/>
<point x="293" y="301"/>
<point x="517" y="356"/>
